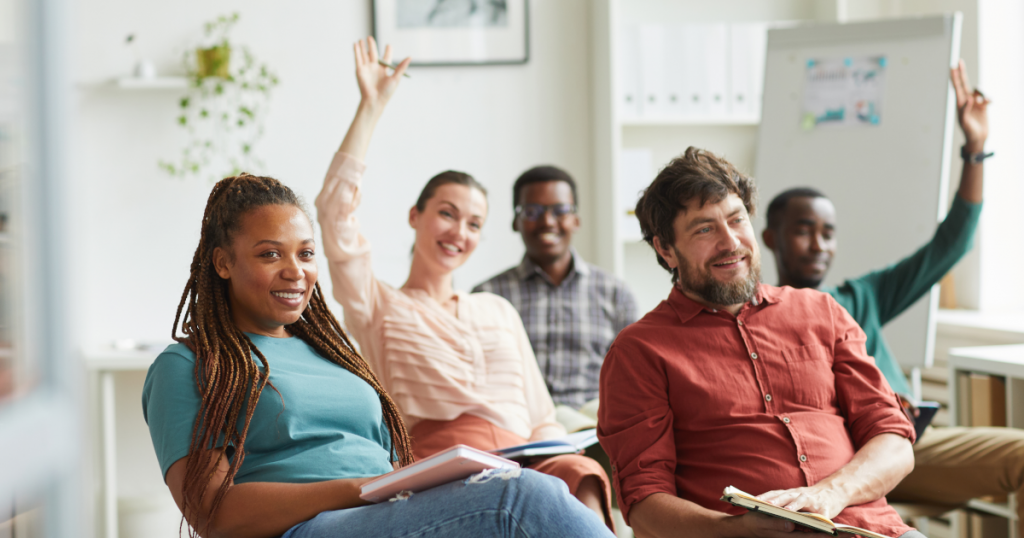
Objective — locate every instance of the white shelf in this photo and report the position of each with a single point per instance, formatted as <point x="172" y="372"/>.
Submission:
<point x="686" y="122"/>
<point x="157" y="83"/>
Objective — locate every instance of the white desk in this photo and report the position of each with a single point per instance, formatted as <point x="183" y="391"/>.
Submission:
<point x="104" y="362"/>
<point x="1004" y="361"/>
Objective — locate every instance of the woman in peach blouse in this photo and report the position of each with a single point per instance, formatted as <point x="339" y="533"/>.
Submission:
<point x="459" y="366"/>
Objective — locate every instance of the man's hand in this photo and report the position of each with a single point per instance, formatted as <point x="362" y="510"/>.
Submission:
<point x="971" y="106"/>
<point x="755" y="525"/>
<point x="820" y="500"/>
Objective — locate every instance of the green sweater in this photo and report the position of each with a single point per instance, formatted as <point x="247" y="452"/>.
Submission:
<point x="879" y="296"/>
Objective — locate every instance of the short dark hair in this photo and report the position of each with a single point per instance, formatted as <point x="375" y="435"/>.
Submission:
<point x="540" y="174"/>
<point x="695" y="174"/>
<point x="445" y="178"/>
<point x="779" y="203"/>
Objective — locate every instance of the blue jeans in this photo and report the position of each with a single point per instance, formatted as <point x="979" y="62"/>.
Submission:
<point x="528" y="506"/>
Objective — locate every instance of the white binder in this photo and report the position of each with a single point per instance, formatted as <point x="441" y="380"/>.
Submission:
<point x="630" y="89"/>
<point x="747" y="53"/>
<point x="716" y="50"/>
<point x="652" y="67"/>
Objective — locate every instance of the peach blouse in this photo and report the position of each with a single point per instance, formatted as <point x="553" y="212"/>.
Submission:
<point x="435" y="365"/>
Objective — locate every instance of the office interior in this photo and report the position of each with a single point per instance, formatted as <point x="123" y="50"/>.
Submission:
<point x="97" y="232"/>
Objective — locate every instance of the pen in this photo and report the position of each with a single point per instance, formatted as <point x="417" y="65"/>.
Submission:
<point x="385" y="64"/>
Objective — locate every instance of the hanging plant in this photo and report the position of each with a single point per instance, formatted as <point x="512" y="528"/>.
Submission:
<point x="223" y="111"/>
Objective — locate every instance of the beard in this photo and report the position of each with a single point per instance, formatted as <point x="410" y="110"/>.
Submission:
<point x="700" y="282"/>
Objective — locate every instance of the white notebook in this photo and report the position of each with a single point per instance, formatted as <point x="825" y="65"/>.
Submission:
<point x="456" y="463"/>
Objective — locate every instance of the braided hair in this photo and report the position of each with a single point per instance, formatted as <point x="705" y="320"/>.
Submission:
<point x="229" y="381"/>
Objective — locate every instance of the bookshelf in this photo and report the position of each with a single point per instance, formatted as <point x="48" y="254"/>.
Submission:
<point x="1005" y="366"/>
<point x="620" y="125"/>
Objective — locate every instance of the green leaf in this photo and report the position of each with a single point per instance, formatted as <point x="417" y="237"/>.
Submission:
<point x="182" y="120"/>
<point x="204" y="113"/>
<point x="184" y="102"/>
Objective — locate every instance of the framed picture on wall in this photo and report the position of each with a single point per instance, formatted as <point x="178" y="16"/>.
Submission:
<point x="454" y="32"/>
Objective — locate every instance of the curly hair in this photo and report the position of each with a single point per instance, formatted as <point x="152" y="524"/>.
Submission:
<point x="695" y="175"/>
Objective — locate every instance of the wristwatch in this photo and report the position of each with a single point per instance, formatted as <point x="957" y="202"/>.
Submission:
<point x="976" y="158"/>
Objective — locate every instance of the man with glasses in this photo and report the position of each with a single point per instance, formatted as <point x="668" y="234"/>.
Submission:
<point x="572" y="310"/>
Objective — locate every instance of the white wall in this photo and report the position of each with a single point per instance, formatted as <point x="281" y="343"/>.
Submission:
<point x="139" y="228"/>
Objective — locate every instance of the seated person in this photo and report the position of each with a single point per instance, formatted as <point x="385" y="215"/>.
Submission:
<point x="459" y="365"/>
<point x="733" y="382"/>
<point x="266" y="421"/>
<point x="952" y="465"/>
<point x="572" y="310"/>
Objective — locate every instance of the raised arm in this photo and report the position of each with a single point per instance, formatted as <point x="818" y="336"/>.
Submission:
<point x="259" y="509"/>
<point x="375" y="89"/>
<point x="345" y="248"/>
<point x="899" y="286"/>
<point x="972" y="112"/>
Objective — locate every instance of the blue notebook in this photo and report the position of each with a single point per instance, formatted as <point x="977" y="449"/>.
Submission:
<point x="570" y="444"/>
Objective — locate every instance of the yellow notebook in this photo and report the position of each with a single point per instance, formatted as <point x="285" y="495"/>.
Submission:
<point x="811" y="520"/>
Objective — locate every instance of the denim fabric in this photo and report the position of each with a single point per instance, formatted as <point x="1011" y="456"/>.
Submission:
<point x="531" y="505"/>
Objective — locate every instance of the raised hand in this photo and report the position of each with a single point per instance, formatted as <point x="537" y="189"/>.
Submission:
<point x="971" y="107"/>
<point x="376" y="86"/>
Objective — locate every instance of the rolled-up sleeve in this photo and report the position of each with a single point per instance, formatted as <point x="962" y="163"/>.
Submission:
<point x="635" y="425"/>
<point x="870" y="406"/>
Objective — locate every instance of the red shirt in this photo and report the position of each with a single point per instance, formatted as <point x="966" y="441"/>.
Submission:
<point x="778" y="397"/>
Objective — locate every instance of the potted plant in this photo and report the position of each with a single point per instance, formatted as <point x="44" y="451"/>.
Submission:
<point x="224" y="108"/>
<point x="215" y="60"/>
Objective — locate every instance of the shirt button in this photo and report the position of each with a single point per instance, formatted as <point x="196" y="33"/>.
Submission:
<point x="739" y="322"/>
<point x="785" y="419"/>
<point x="753" y="355"/>
<point x="803" y="457"/>
<point x="768" y="397"/>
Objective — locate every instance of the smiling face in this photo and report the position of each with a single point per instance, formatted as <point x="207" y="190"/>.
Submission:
<point x="548" y="238"/>
<point x="804" y="242"/>
<point x="448" y="228"/>
<point x="715" y="253"/>
<point x="270" y="268"/>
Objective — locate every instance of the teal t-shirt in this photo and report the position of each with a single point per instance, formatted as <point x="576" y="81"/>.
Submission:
<point x="879" y="296"/>
<point x="329" y="424"/>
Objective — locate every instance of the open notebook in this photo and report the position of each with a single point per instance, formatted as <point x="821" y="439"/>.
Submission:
<point x="817" y="522"/>
<point x="453" y="464"/>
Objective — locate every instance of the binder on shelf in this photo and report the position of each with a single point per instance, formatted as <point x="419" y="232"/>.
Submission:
<point x="653" y="63"/>
<point x="716" y="68"/>
<point x="696" y="62"/>
<point x="677" y="71"/>
<point x="630" y="91"/>
<point x="747" y="46"/>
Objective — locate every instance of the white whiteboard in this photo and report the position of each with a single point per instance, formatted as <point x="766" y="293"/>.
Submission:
<point x="886" y="179"/>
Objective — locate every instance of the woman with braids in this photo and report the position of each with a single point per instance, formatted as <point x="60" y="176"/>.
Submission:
<point x="459" y="366"/>
<point x="266" y="421"/>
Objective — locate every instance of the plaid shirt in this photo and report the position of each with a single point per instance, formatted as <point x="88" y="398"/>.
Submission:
<point x="570" y="325"/>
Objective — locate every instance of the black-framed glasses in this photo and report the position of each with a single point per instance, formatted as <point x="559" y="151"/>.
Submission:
<point x="533" y="212"/>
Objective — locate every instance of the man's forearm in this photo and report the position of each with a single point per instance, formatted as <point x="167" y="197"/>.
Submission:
<point x="874" y="471"/>
<point x="663" y="515"/>
<point x="972" y="177"/>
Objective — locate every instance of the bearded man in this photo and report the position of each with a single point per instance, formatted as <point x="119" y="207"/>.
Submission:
<point x="734" y="382"/>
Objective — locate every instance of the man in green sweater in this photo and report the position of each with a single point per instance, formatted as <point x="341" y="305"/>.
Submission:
<point x="952" y="465"/>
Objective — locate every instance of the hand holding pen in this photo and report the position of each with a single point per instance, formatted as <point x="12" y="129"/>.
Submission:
<point x="376" y="86"/>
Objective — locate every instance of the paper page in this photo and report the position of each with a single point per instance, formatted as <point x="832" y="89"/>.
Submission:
<point x="843" y="92"/>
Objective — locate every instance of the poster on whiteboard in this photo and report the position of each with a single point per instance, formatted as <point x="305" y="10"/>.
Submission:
<point x="843" y="92"/>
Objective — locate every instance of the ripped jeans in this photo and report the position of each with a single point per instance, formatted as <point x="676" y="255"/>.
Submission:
<point x="530" y="505"/>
